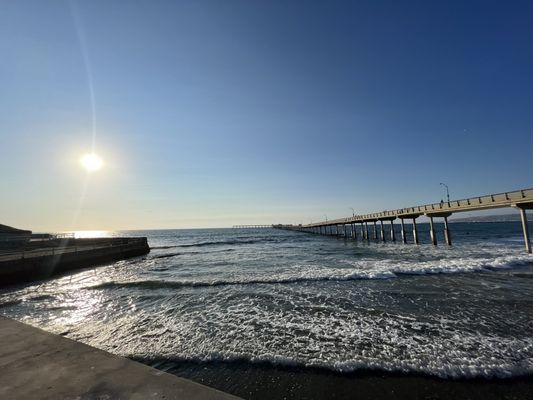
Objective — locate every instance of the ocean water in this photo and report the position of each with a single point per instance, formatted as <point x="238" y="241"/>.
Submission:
<point x="273" y="299"/>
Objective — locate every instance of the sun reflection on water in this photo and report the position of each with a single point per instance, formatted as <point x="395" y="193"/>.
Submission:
<point x="91" y="234"/>
<point x="65" y="302"/>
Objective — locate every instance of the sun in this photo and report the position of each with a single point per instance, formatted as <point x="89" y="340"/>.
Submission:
<point x="91" y="162"/>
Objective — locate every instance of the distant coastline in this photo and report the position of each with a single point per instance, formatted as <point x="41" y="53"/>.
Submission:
<point x="490" y="218"/>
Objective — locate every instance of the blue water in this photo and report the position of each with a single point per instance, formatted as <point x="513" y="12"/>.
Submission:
<point x="288" y="298"/>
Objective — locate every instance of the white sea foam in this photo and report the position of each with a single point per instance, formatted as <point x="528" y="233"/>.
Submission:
<point x="339" y="342"/>
<point x="358" y="270"/>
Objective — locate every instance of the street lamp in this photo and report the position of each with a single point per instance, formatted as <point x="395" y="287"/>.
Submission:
<point x="447" y="191"/>
<point x="353" y="211"/>
<point x="326" y="217"/>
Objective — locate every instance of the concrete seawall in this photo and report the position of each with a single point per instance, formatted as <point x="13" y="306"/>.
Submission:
<point x="39" y="365"/>
<point x="37" y="262"/>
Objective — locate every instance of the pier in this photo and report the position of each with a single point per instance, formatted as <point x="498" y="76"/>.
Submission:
<point x="521" y="200"/>
<point x="40" y="365"/>
<point x="251" y="226"/>
<point x="41" y="259"/>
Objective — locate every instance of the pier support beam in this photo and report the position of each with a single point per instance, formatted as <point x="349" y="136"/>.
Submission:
<point x="447" y="235"/>
<point x="525" y="228"/>
<point x="367" y="237"/>
<point x="382" y="230"/>
<point x="415" y="232"/>
<point x="375" y="231"/>
<point x="404" y="237"/>
<point x="432" y="232"/>
<point x="354" y="232"/>
<point x="447" y="232"/>
<point x="392" y="234"/>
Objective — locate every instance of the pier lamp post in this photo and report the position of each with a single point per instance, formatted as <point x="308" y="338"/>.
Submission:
<point x="326" y="217"/>
<point x="447" y="191"/>
<point x="353" y="211"/>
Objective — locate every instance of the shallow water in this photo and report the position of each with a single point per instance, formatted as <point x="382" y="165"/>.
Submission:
<point x="278" y="298"/>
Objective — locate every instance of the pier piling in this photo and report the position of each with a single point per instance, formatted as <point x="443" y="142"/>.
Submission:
<point x="447" y="232"/>
<point x="525" y="228"/>
<point x="415" y="233"/>
<point x="432" y="232"/>
<point x="404" y="237"/>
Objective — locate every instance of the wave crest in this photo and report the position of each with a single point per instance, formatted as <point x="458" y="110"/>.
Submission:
<point x="209" y="243"/>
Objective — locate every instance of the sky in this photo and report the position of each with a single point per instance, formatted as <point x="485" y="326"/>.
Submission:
<point x="215" y="113"/>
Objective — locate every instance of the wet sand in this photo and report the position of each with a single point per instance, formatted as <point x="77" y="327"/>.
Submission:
<point x="262" y="381"/>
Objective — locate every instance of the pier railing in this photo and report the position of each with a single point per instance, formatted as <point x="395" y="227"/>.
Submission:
<point x="497" y="200"/>
<point x="36" y="237"/>
<point x="67" y="246"/>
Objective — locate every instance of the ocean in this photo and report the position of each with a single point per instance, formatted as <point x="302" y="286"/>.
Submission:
<point x="265" y="313"/>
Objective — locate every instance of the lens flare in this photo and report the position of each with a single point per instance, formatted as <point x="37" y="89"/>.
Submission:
<point x="91" y="162"/>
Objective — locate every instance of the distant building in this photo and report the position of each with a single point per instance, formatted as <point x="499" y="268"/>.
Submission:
<point x="9" y="234"/>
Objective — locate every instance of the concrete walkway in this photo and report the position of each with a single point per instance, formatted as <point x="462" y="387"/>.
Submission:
<point x="35" y="364"/>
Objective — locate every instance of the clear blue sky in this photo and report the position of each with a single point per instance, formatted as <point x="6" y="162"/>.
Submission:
<point x="210" y="113"/>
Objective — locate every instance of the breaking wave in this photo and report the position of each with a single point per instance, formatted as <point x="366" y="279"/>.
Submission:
<point x="211" y="243"/>
<point x="160" y="284"/>
<point x="459" y="371"/>
<point x="186" y="253"/>
<point x="363" y="270"/>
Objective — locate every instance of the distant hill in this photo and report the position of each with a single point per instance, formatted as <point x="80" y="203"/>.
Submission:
<point x="490" y="218"/>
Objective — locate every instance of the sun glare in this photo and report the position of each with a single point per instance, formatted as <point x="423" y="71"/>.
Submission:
<point x="91" y="162"/>
<point x="91" y="234"/>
